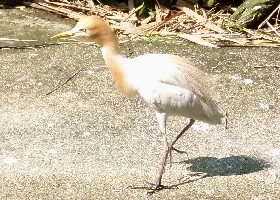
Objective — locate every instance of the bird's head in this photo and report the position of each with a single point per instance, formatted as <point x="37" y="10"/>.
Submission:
<point x="91" y="28"/>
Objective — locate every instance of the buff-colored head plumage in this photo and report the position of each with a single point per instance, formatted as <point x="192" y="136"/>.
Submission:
<point x="92" y="28"/>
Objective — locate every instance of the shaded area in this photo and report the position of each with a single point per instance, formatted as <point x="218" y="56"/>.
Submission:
<point x="233" y="165"/>
<point x="11" y="2"/>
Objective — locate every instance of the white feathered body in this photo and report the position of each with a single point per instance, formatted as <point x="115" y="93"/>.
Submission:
<point x="171" y="84"/>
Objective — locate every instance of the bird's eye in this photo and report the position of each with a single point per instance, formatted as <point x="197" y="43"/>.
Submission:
<point x="83" y="30"/>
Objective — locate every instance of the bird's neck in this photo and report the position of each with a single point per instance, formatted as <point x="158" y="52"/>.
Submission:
<point x="116" y="63"/>
<point x="111" y="53"/>
<point x="109" y="44"/>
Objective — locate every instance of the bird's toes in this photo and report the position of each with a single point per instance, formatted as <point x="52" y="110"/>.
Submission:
<point x="161" y="187"/>
<point x="153" y="188"/>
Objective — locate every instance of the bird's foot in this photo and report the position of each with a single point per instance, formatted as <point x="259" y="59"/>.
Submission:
<point x="159" y="187"/>
<point x="153" y="188"/>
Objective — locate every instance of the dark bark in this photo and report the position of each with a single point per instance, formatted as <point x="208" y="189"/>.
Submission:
<point x="11" y="2"/>
<point x="213" y="3"/>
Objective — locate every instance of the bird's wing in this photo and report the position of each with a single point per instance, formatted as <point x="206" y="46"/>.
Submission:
<point x="173" y="70"/>
<point x="174" y="83"/>
<point x="175" y="100"/>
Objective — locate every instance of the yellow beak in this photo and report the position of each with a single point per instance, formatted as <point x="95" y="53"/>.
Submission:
<point x="65" y="34"/>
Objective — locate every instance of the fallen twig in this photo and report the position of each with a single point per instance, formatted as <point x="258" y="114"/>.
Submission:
<point x="66" y="81"/>
<point x="267" y="66"/>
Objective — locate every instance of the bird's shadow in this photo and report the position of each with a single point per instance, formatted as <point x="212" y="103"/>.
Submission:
<point x="203" y="167"/>
<point x="227" y="166"/>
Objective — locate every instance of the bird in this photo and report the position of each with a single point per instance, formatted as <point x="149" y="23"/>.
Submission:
<point x="169" y="84"/>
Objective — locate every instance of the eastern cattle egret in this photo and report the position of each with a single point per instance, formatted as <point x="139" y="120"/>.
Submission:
<point x="169" y="84"/>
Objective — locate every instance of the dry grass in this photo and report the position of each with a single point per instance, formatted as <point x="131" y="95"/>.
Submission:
<point x="188" y="22"/>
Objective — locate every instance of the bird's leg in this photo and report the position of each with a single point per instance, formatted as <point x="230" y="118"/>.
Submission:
<point x="182" y="132"/>
<point x="163" y="164"/>
<point x="169" y="148"/>
<point x="162" y="118"/>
